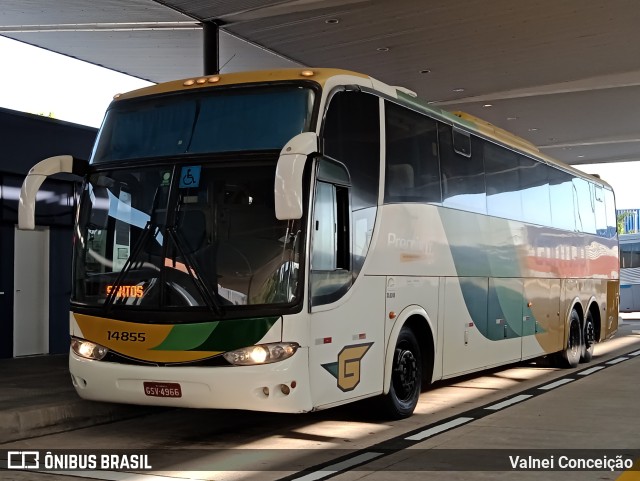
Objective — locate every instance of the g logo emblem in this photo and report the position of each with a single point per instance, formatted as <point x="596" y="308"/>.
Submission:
<point x="347" y="369"/>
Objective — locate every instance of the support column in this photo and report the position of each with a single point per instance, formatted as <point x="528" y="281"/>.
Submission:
<point x="211" y="47"/>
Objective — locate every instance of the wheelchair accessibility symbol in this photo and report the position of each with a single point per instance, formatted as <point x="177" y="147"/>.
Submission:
<point x="190" y="177"/>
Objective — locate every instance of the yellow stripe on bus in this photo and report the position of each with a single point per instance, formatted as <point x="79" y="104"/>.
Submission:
<point x="135" y="340"/>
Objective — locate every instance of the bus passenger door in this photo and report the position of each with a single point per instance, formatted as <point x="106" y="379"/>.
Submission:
<point x="346" y="350"/>
<point x="346" y="342"/>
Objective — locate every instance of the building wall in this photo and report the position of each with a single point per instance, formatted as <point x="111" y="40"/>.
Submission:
<point x="26" y="139"/>
<point x="6" y="290"/>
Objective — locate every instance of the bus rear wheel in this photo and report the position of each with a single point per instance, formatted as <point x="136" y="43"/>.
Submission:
<point x="589" y="338"/>
<point x="570" y="356"/>
<point x="406" y="377"/>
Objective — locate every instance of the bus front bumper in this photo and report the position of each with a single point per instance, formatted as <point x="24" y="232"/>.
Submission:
<point x="278" y="387"/>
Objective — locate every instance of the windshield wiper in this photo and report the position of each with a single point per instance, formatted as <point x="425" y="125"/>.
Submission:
<point x="194" y="274"/>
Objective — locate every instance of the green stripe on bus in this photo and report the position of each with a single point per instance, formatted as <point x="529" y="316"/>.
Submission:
<point x="236" y="333"/>
<point x="217" y="335"/>
<point x="185" y="337"/>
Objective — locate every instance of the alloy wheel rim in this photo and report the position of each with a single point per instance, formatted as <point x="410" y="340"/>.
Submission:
<point x="589" y="336"/>
<point x="574" y="338"/>
<point x="405" y="371"/>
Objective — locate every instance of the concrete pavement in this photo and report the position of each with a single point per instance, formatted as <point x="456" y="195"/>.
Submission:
<point x="37" y="398"/>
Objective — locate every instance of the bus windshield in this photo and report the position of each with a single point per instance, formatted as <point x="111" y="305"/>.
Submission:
<point x="184" y="235"/>
<point x="204" y="121"/>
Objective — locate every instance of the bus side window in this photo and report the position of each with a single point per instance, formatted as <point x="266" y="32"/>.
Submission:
<point x="584" y="199"/>
<point x="535" y="191"/>
<point x="562" y="202"/>
<point x="601" y="211"/>
<point x="610" y="206"/>
<point x="352" y="135"/>
<point x="412" y="169"/>
<point x="503" y="182"/>
<point x="399" y="181"/>
<point x="463" y="184"/>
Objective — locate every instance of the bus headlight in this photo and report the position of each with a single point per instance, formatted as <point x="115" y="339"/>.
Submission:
<point x="262" y="353"/>
<point x="88" y="349"/>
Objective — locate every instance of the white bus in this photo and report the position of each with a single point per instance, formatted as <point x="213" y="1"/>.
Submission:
<point x="294" y="240"/>
<point x="629" y="272"/>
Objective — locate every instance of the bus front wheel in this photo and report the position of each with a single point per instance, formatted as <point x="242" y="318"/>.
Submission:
<point x="406" y="377"/>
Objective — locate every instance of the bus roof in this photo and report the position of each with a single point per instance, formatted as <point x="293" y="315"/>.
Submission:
<point x="318" y="75"/>
<point x="476" y="125"/>
<point x="463" y="120"/>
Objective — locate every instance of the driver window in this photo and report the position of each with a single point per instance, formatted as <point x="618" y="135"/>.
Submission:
<point x="331" y="274"/>
<point x="324" y="228"/>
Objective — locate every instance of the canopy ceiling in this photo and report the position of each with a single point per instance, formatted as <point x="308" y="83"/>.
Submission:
<point x="563" y="74"/>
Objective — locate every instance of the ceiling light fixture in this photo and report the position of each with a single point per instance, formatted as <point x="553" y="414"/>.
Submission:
<point x="487" y="105"/>
<point x="382" y="49"/>
<point x="332" y="21"/>
<point x="426" y="70"/>
<point x="533" y="129"/>
<point x="458" y="89"/>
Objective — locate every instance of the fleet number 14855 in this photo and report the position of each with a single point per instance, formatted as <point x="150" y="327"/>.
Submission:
<point x="126" y="336"/>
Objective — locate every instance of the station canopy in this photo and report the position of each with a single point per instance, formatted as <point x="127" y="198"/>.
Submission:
<point x="563" y="75"/>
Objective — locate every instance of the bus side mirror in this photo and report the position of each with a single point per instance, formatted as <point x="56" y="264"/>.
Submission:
<point x="34" y="179"/>
<point x="289" y="171"/>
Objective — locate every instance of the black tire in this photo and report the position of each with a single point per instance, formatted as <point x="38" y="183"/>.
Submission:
<point x="406" y="377"/>
<point x="570" y="356"/>
<point x="588" y="338"/>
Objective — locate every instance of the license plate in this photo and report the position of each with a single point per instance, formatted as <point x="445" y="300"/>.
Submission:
<point x="162" y="389"/>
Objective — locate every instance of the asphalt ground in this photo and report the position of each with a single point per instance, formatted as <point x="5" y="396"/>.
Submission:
<point x="592" y="408"/>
